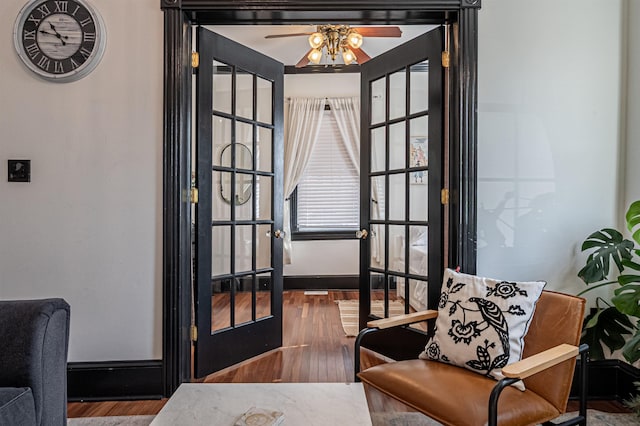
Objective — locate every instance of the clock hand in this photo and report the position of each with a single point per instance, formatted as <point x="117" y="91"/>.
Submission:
<point x="46" y="32"/>
<point x="57" y="34"/>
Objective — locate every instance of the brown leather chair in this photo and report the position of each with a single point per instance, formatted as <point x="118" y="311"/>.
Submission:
<point x="458" y="397"/>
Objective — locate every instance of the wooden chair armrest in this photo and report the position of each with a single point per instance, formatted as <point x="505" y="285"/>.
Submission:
<point x="540" y="361"/>
<point x="402" y="319"/>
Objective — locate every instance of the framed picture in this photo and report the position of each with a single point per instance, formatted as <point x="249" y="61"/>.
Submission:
<point x="418" y="158"/>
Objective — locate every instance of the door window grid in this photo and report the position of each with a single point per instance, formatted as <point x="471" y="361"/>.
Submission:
<point x="393" y="268"/>
<point x="242" y="267"/>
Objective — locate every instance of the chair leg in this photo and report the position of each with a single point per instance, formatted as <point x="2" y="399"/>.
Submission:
<point x="584" y="382"/>
<point x="356" y="352"/>
<point x="580" y="419"/>
<point x="493" y="399"/>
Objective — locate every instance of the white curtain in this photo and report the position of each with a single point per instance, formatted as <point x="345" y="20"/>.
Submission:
<point x="377" y="242"/>
<point x="347" y="114"/>
<point x="303" y="125"/>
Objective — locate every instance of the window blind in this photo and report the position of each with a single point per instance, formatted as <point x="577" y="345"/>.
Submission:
<point x="328" y="196"/>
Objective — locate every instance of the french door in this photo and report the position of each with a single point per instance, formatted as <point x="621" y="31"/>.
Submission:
<point x="239" y="137"/>
<point x="401" y="249"/>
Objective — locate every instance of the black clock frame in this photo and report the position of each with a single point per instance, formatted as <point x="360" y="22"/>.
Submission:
<point x="461" y="123"/>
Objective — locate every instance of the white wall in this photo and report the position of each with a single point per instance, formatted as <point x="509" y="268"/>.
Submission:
<point x="339" y="257"/>
<point x="632" y="154"/>
<point x="549" y="136"/>
<point x="88" y="227"/>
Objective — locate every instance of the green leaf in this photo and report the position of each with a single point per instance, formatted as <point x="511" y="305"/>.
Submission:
<point x="627" y="298"/>
<point x="628" y="278"/>
<point x="633" y="220"/>
<point x="631" y="350"/>
<point x="608" y="327"/>
<point x="631" y="264"/>
<point x="608" y="243"/>
<point x="592" y="320"/>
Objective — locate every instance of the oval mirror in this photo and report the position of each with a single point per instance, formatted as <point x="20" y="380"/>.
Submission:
<point x="244" y="181"/>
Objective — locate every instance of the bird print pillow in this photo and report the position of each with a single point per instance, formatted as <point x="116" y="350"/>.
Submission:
<point x="482" y="322"/>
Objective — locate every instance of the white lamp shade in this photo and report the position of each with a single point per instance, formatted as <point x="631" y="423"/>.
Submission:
<point x="316" y="40"/>
<point x="354" y="39"/>
<point x="315" y="56"/>
<point x="348" y="56"/>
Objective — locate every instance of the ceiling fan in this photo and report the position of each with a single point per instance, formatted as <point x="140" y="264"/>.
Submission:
<point x="340" y="39"/>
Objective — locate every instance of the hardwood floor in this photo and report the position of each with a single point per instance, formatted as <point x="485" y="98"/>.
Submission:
<point x="114" y="408"/>
<point x="315" y="349"/>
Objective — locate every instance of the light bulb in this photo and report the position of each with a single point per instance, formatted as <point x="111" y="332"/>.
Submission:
<point x="348" y="56"/>
<point x="316" y="40"/>
<point x="354" y="39"/>
<point x="314" y="56"/>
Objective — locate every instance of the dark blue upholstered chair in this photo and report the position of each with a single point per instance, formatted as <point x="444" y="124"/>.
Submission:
<point x="34" y="343"/>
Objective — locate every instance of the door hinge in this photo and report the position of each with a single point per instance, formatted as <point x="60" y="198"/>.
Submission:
<point x="194" y="333"/>
<point x="445" y="59"/>
<point x="444" y="196"/>
<point x="195" y="59"/>
<point x="193" y="197"/>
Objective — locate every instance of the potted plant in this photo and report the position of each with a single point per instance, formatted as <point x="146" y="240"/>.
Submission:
<point x="615" y="323"/>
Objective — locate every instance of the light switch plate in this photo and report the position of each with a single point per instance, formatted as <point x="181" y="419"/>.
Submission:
<point x="19" y="170"/>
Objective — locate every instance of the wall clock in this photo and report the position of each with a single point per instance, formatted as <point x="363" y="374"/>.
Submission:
<point x="59" y="40"/>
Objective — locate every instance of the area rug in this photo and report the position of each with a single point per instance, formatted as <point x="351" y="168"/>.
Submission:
<point x="594" y="418"/>
<point x="349" y="313"/>
<point x="111" y="421"/>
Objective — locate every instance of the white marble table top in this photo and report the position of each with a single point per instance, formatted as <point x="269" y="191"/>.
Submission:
<point x="303" y="404"/>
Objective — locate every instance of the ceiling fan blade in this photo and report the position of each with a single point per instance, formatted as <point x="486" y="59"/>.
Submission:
<point x="361" y="56"/>
<point x="287" y="35"/>
<point x="304" y="61"/>
<point x="379" y="31"/>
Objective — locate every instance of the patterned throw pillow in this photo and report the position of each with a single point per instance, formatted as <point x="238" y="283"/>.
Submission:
<point x="482" y="322"/>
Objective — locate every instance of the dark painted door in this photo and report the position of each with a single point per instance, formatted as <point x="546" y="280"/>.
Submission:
<point x="401" y="251"/>
<point x="239" y="137"/>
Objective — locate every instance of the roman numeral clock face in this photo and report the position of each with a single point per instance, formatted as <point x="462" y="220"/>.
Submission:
<point x="59" y="40"/>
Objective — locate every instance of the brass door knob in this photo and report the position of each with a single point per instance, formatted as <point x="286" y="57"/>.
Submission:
<point x="278" y="233"/>
<point x="362" y="234"/>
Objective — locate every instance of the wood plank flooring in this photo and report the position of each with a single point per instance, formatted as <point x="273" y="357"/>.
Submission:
<point x="315" y="349"/>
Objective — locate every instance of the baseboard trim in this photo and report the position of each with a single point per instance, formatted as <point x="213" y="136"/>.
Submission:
<point x="321" y="282"/>
<point x="609" y="379"/>
<point x="114" y="380"/>
<point x="132" y="380"/>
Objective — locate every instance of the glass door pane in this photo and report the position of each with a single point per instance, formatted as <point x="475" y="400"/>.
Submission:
<point x="419" y="82"/>
<point x="244" y="197"/>
<point x="403" y="172"/>
<point x="244" y="94"/>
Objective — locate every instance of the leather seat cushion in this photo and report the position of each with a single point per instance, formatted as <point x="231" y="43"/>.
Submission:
<point x="455" y="396"/>
<point x="17" y="407"/>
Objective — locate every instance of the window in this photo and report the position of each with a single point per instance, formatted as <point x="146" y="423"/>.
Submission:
<point x="326" y="202"/>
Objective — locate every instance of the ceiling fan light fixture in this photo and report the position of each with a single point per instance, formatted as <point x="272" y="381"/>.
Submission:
<point x="348" y="56"/>
<point x="354" y="39"/>
<point x="315" y="56"/>
<point x="316" y="40"/>
<point x="330" y="41"/>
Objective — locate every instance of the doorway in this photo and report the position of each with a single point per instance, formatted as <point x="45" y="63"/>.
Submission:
<point x="179" y="18"/>
<point x="238" y="296"/>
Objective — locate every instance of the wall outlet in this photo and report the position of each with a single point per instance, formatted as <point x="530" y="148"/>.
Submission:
<point x="19" y="171"/>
